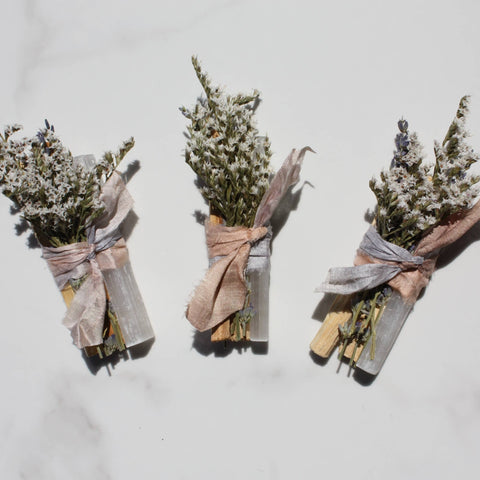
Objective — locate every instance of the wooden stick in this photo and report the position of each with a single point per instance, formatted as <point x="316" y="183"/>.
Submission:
<point x="328" y="336"/>
<point x="68" y="294"/>
<point x="221" y="331"/>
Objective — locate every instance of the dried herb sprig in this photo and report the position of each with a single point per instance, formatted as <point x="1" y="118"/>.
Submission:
<point x="58" y="196"/>
<point x="226" y="152"/>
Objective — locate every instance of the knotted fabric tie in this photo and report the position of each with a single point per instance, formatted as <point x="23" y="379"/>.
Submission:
<point x="104" y="250"/>
<point x="378" y="261"/>
<point x="223" y="290"/>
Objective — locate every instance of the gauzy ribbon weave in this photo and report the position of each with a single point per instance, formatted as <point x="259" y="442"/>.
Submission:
<point x="379" y="261"/>
<point x="104" y="250"/>
<point x="223" y="290"/>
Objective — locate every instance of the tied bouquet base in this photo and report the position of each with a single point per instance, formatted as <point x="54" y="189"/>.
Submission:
<point x="126" y="320"/>
<point x="387" y="322"/>
<point x="112" y="334"/>
<point x="251" y="323"/>
<point x="369" y="357"/>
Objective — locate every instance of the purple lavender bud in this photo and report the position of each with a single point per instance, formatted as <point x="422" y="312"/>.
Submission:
<point x="403" y="125"/>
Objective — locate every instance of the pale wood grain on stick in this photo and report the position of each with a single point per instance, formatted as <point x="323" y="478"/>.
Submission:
<point x="328" y="337"/>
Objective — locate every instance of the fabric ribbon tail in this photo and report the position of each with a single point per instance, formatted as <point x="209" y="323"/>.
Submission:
<point x="86" y="313"/>
<point x="118" y="203"/>
<point x="222" y="291"/>
<point x="287" y="175"/>
<point x="347" y="280"/>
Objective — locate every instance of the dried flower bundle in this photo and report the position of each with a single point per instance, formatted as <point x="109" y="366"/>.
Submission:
<point x="231" y="161"/>
<point x="61" y="198"/>
<point x="412" y="200"/>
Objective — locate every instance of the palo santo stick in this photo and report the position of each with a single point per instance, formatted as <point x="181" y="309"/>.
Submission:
<point x="221" y="331"/>
<point x="328" y="336"/>
<point x="68" y="294"/>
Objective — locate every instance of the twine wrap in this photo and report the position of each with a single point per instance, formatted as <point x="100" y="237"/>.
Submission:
<point x="378" y="261"/>
<point x="223" y="290"/>
<point x="104" y="250"/>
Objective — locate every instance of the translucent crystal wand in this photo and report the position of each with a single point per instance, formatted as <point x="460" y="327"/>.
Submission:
<point x="386" y="333"/>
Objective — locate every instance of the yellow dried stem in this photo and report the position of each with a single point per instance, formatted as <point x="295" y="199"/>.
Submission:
<point x="351" y="348"/>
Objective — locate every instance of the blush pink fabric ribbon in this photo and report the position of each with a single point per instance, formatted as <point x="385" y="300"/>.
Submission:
<point x="104" y="250"/>
<point x="414" y="278"/>
<point x="223" y="290"/>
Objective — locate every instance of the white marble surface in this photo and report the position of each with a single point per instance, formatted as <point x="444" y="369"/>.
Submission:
<point x="334" y="75"/>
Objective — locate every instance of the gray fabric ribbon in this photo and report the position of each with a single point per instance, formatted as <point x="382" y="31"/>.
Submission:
<point x="347" y="280"/>
<point x="104" y="250"/>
